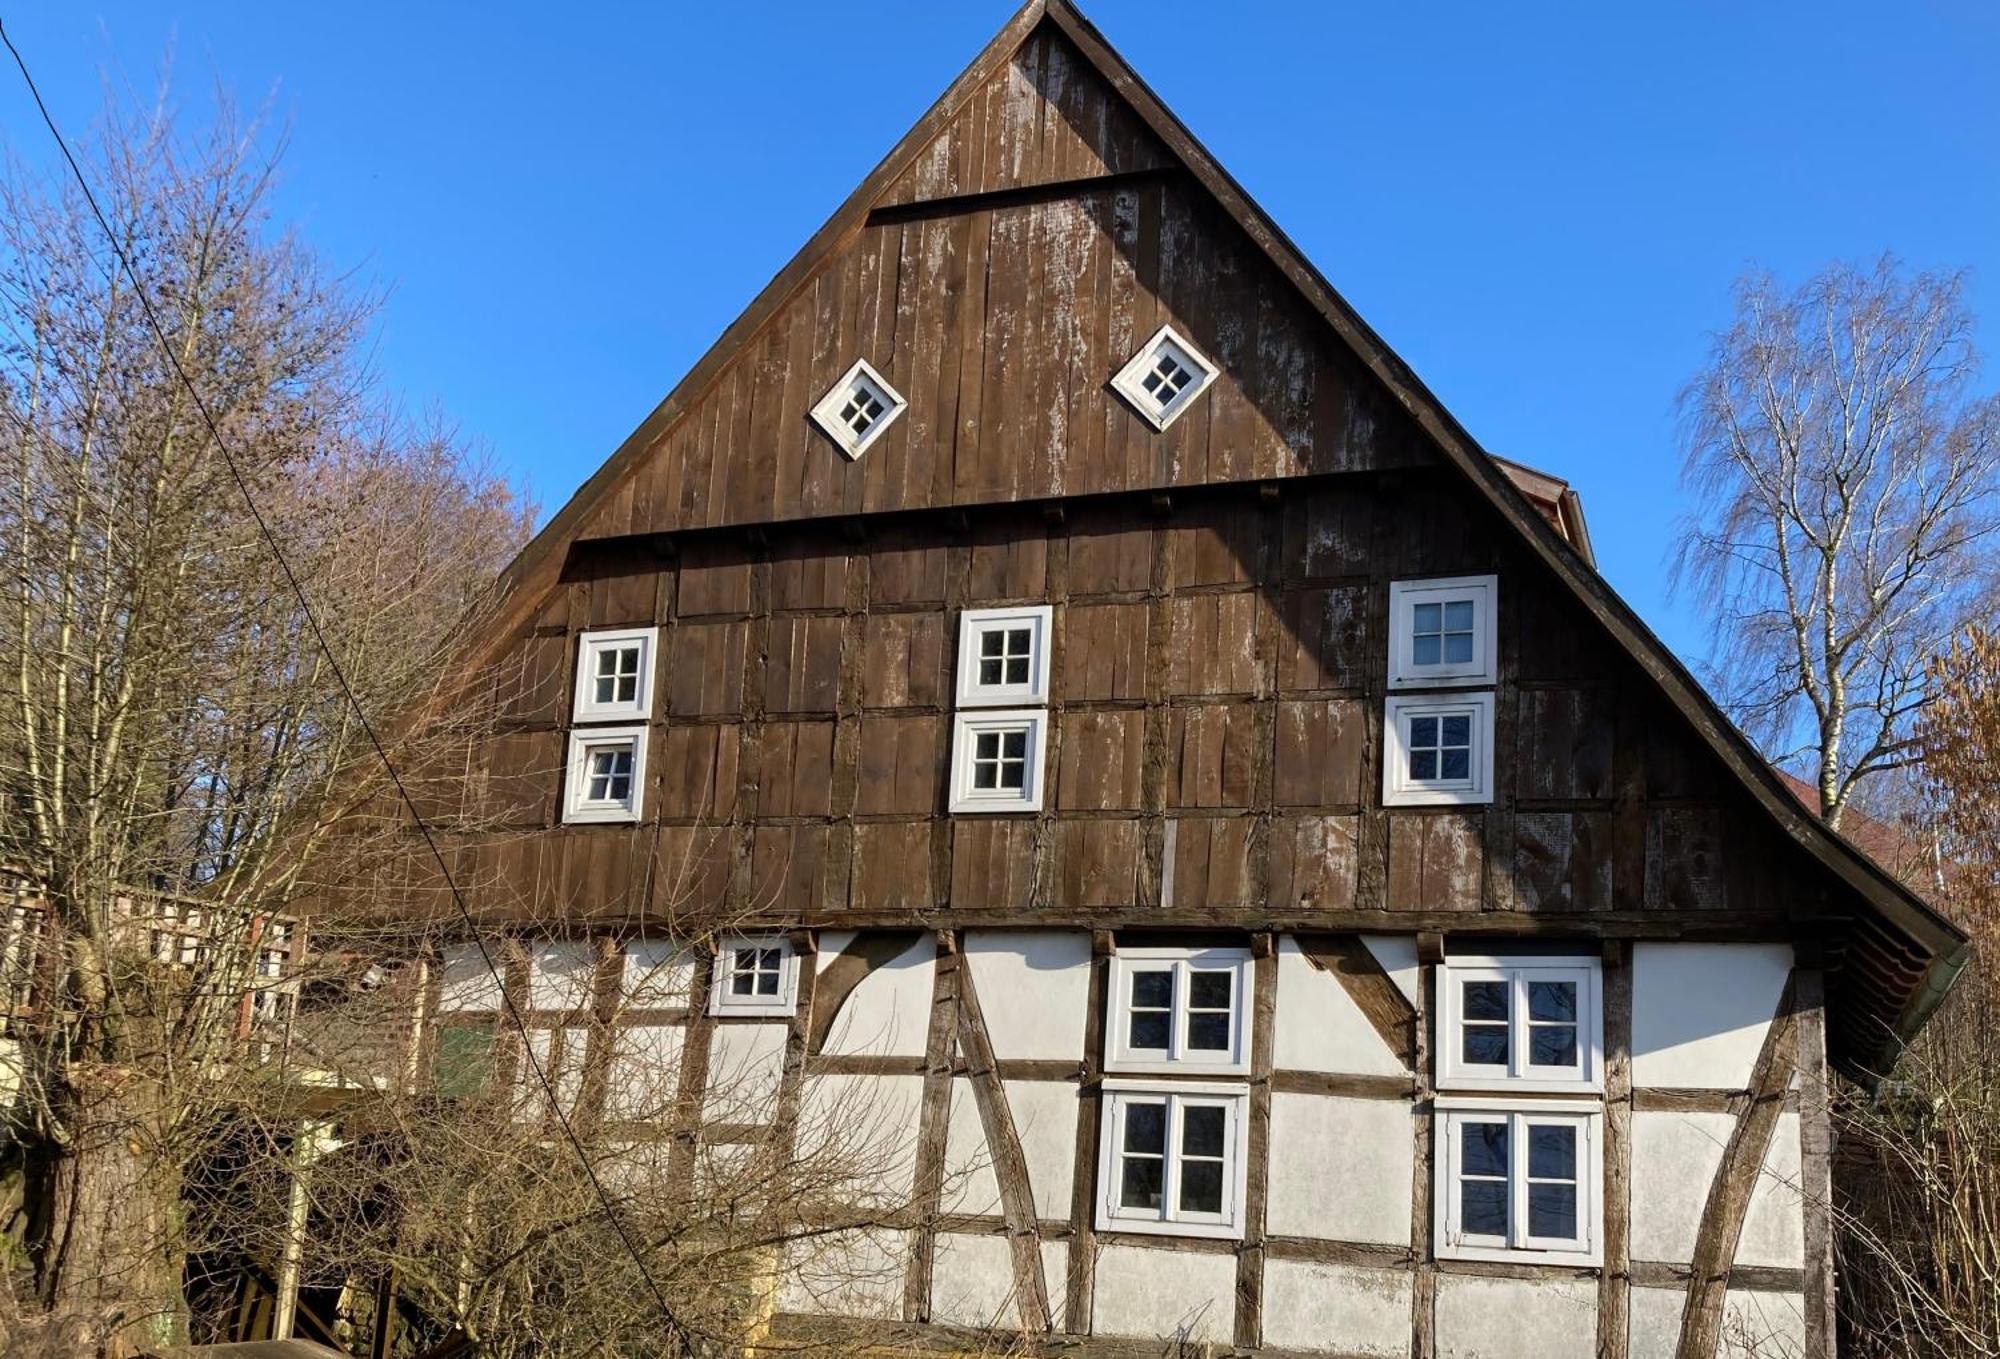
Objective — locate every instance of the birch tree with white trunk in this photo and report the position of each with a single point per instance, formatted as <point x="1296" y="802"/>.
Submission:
<point x="1846" y="468"/>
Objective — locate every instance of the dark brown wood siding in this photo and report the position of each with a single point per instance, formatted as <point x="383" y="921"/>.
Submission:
<point x="1214" y="747"/>
<point x="1001" y="318"/>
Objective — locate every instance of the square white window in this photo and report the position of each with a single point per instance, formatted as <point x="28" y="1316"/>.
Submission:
<point x="1442" y="631"/>
<point x="755" y="975"/>
<point x="1171" y="1159"/>
<point x="1164" y="377"/>
<point x="1178" y="1010"/>
<point x="1437" y="749"/>
<point x="1520" y="1024"/>
<point x="1519" y="1181"/>
<point x="857" y="409"/>
<point x="996" y="760"/>
<point x="614" y="675"/>
<point x="1003" y="656"/>
<point x="606" y="775"/>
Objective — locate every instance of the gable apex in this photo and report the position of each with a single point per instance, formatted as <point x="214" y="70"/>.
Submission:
<point x="1902" y="956"/>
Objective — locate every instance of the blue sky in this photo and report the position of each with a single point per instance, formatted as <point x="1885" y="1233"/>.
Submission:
<point x="1540" y="206"/>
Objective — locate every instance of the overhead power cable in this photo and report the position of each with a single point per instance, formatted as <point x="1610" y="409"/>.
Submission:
<point x="677" y="1336"/>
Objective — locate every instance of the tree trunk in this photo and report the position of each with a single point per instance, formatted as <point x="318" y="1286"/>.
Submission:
<point x="107" y="1241"/>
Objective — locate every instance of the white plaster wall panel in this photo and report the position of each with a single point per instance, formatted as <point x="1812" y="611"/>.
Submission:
<point x="889" y="1013"/>
<point x="1700" y="1011"/>
<point x="969" y="1183"/>
<point x="1165" y="1294"/>
<point x="1654" y="1325"/>
<point x="1340" y="1168"/>
<point x="645" y="1071"/>
<point x="1045" y="1120"/>
<point x="855" y="1274"/>
<point x="467" y="983"/>
<point x="562" y="974"/>
<point x="865" y="1128"/>
<point x="1320" y="1028"/>
<point x="11" y="1067"/>
<point x="745" y="1062"/>
<point x="1674" y="1160"/>
<point x="972" y="1281"/>
<point x="1516" y="1318"/>
<point x="1763" y="1325"/>
<point x="1034" y="987"/>
<point x="658" y="974"/>
<point x="1345" y="1309"/>
<point x="1398" y="955"/>
<point x="1754" y="1325"/>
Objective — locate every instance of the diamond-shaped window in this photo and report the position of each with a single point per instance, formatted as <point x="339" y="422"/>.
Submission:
<point x="1164" y="377"/>
<point x="860" y="406"/>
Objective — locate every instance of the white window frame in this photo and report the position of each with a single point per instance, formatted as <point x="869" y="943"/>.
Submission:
<point x="1404" y="595"/>
<point x="827" y="413"/>
<point x="782" y="1005"/>
<point x="1398" y="788"/>
<point x="1120" y="1055"/>
<point x="1119" y="1096"/>
<point x="1130" y="379"/>
<point x="965" y="728"/>
<point x="1454" y="1073"/>
<point x="973" y="624"/>
<point x="583" y="705"/>
<point x="1453" y="1243"/>
<point x="577" y="809"/>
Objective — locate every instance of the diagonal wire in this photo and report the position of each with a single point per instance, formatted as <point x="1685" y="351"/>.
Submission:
<point x="676" y="1331"/>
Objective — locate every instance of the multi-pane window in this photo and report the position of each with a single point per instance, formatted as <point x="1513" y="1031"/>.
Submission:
<point x="997" y="760"/>
<point x="1178" y="1009"/>
<point x="614" y="676"/>
<point x="1172" y="1159"/>
<point x="1519" y="1180"/>
<point x="754" y="975"/>
<point x="1442" y="632"/>
<point x="1520" y="1024"/>
<point x="1439" y="749"/>
<point x="857" y="409"/>
<point x="607" y="767"/>
<point x="1164" y="377"/>
<point x="1003" y="656"/>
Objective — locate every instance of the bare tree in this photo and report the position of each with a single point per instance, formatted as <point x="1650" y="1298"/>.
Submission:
<point x="170" y="728"/>
<point x="1847" y="474"/>
<point x="1920" y="1207"/>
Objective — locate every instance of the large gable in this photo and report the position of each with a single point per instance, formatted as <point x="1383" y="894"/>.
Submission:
<point x="1039" y="224"/>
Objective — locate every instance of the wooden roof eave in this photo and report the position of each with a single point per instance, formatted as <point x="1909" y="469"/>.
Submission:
<point x="521" y="586"/>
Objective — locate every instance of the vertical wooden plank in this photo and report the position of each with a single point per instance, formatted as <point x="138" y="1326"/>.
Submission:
<point x="933" y="1127"/>
<point x="1078" y="1308"/>
<point x="1423" y="1247"/>
<point x="1614" y="1286"/>
<point x="1816" y="1156"/>
<point x="1263" y="1039"/>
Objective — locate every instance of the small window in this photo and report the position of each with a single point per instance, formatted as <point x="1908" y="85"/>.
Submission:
<point x="1171" y="1159"/>
<point x="996" y="760"/>
<point x="614" y="675"/>
<point x="1178" y="1009"/>
<point x="1003" y="656"/>
<point x="607" y="774"/>
<point x="1520" y="1023"/>
<point x="1443" y="631"/>
<point x="755" y="975"/>
<point x="1164" y="377"/>
<point x="858" y="409"/>
<point x="1518" y="1181"/>
<point x="1438" y="750"/>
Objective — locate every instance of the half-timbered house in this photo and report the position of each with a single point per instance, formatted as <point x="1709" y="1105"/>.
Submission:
<point x="1050" y="666"/>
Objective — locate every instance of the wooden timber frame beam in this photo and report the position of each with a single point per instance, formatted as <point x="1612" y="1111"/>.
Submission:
<point x="1729" y="1194"/>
